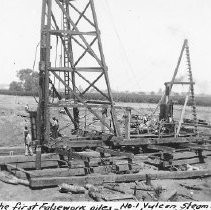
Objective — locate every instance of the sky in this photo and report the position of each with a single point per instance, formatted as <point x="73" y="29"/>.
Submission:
<point x="141" y="40"/>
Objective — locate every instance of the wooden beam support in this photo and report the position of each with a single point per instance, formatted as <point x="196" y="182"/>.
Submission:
<point x="58" y="172"/>
<point x="78" y="105"/>
<point x="71" y="32"/>
<point x="127" y="123"/>
<point x="81" y="36"/>
<point x="81" y="14"/>
<point x="115" y="153"/>
<point x="92" y="84"/>
<point x="100" y="179"/>
<point x="83" y="102"/>
<point x="84" y="143"/>
<point x="164" y="149"/>
<point x="81" y="69"/>
<point x="31" y="165"/>
<point x="180" y="83"/>
<point x="154" y="141"/>
<point x="23" y="158"/>
<point x="84" y="53"/>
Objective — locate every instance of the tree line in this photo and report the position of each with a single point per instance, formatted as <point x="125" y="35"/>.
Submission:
<point x="28" y="83"/>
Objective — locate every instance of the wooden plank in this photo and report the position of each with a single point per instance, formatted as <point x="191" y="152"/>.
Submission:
<point x="198" y="125"/>
<point x="71" y="32"/>
<point x="18" y="169"/>
<point x="189" y="154"/>
<point x="31" y="165"/>
<point x="23" y="158"/>
<point x="83" y="69"/>
<point x="72" y="155"/>
<point x="100" y="179"/>
<point x="58" y="172"/>
<point x="11" y="150"/>
<point x="199" y="147"/>
<point x="114" y="197"/>
<point x="180" y="83"/>
<point x="164" y="149"/>
<point x="187" y="161"/>
<point x="155" y="141"/>
<point x="115" y="153"/>
<point x="179" y="162"/>
<point x="103" y="169"/>
<point x="84" y="143"/>
<point x="127" y="123"/>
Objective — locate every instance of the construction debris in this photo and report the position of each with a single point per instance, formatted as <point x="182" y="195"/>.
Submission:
<point x="65" y="188"/>
<point x="11" y="179"/>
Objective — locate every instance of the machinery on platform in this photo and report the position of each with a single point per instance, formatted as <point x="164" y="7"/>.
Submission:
<point x="71" y="56"/>
<point x="72" y="27"/>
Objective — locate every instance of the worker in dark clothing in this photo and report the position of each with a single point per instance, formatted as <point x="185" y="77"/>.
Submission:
<point x="25" y="132"/>
<point x="76" y="117"/>
<point x="54" y="127"/>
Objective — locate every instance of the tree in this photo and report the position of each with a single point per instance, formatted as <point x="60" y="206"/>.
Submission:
<point x="16" y="86"/>
<point x="160" y="92"/>
<point x="28" y="80"/>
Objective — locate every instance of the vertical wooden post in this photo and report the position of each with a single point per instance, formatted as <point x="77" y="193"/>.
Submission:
<point x="103" y="118"/>
<point x="47" y="66"/>
<point x="38" y="158"/>
<point x="127" y="123"/>
<point x="105" y="70"/>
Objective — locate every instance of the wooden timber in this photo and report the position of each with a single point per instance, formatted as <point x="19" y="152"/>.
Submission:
<point x="148" y="141"/>
<point x="58" y="172"/>
<point x="31" y="165"/>
<point x="23" y="158"/>
<point x="100" y="179"/>
<point x="115" y="153"/>
<point x="11" y="150"/>
<point x="164" y="149"/>
<point x="82" y="143"/>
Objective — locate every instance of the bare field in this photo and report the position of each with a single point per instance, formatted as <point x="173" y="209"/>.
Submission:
<point x="11" y="134"/>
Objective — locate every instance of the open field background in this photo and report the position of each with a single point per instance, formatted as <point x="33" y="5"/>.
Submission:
<point x="126" y="97"/>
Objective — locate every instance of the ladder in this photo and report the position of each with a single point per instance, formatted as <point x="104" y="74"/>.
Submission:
<point x="192" y="96"/>
<point x="66" y="27"/>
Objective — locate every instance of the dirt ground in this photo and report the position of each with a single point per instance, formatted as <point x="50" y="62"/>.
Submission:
<point x="11" y="134"/>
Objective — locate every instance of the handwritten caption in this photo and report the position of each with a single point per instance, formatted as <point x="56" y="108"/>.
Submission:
<point x="104" y="206"/>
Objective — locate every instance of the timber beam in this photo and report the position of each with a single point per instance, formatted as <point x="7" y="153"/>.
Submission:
<point x="180" y="83"/>
<point x="23" y="159"/>
<point x="118" y="141"/>
<point x="100" y="179"/>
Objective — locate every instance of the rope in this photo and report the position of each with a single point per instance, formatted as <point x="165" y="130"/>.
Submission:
<point x="35" y="59"/>
<point x="35" y="56"/>
<point x="55" y="62"/>
<point x="121" y="44"/>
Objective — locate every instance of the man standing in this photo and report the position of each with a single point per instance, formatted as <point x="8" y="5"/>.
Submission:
<point x="55" y="126"/>
<point x="27" y="142"/>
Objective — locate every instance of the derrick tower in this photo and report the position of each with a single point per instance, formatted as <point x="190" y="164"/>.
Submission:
<point x="185" y="52"/>
<point x="70" y="28"/>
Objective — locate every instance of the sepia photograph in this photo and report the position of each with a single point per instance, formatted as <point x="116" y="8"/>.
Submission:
<point x="105" y="100"/>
